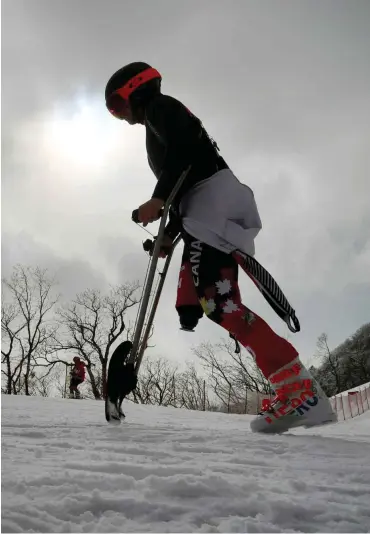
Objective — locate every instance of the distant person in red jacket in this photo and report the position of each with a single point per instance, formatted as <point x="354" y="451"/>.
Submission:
<point x="77" y="377"/>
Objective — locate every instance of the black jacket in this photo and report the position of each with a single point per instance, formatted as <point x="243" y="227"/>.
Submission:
<point x="175" y="139"/>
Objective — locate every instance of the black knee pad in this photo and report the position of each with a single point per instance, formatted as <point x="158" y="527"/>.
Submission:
<point x="189" y="316"/>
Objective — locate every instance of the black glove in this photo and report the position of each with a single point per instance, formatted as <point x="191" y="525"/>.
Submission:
<point x="165" y="249"/>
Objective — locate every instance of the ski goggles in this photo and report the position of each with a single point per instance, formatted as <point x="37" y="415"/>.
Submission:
<point x="118" y="102"/>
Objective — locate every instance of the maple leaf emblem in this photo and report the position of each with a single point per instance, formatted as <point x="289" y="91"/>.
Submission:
<point x="230" y="306"/>
<point x="223" y="287"/>
<point x="208" y="306"/>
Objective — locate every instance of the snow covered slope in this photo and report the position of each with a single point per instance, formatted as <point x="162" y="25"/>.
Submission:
<point x="166" y="470"/>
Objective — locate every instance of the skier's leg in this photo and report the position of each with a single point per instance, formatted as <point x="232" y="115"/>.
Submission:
<point x="187" y="303"/>
<point x="72" y="388"/>
<point x="78" y="383"/>
<point x="215" y="276"/>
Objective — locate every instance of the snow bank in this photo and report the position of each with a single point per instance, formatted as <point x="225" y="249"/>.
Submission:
<point x="171" y="470"/>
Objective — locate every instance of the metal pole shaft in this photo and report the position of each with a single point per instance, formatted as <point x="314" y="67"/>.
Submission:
<point x="146" y="335"/>
<point x="152" y="269"/>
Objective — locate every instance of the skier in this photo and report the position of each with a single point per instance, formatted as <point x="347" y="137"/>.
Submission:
<point x="77" y="377"/>
<point x="218" y="220"/>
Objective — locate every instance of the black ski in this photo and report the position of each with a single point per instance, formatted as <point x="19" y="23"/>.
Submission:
<point x="121" y="381"/>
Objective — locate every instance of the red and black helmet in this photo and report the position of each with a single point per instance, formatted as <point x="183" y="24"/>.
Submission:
<point x="131" y="87"/>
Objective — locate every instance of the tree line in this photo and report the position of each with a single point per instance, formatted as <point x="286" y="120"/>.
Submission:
<point x="41" y="334"/>
<point x="346" y="366"/>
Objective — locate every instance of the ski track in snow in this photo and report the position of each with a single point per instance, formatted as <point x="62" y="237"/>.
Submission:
<point x="64" y="469"/>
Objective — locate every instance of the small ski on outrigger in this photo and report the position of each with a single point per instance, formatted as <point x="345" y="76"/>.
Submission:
<point x="125" y="362"/>
<point x="121" y="380"/>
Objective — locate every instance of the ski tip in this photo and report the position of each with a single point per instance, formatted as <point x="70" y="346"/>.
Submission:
<point x="122" y="351"/>
<point x="113" y="421"/>
<point x="113" y="414"/>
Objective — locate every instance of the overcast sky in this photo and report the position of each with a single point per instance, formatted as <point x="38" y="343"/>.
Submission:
<point x="284" y="88"/>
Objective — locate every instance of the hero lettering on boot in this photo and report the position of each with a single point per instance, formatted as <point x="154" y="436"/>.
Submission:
<point x="297" y="406"/>
<point x="286" y="373"/>
<point x="287" y="389"/>
<point x="294" y="406"/>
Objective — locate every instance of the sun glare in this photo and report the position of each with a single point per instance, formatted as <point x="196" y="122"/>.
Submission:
<point x="81" y="137"/>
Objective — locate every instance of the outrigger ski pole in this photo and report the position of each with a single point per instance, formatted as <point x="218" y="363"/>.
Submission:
<point x="137" y="350"/>
<point x="122" y="377"/>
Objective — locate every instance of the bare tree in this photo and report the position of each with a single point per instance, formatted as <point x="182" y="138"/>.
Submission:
<point x="331" y="361"/>
<point x="361" y="359"/>
<point x="60" y="379"/>
<point x="27" y="324"/>
<point x="231" y="375"/>
<point x="354" y="358"/>
<point x="157" y="382"/>
<point x="92" y="324"/>
<point x="219" y="371"/>
<point x="191" y="390"/>
<point x="46" y="383"/>
<point x="10" y="329"/>
<point x="346" y="366"/>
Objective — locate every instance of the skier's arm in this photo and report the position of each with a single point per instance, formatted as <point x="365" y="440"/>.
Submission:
<point x="179" y="131"/>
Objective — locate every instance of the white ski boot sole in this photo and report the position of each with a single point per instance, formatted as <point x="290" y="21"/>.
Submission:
<point x="309" y="414"/>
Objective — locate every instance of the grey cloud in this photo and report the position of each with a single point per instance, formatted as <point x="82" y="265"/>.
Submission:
<point x="72" y="276"/>
<point x="284" y="87"/>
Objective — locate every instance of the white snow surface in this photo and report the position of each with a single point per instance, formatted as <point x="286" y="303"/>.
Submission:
<point x="64" y="469"/>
